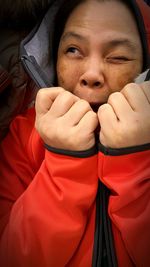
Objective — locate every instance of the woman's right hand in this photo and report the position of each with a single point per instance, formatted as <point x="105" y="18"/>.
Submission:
<point x="65" y="121"/>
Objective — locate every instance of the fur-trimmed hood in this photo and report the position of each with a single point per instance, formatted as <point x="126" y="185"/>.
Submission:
<point x="37" y="49"/>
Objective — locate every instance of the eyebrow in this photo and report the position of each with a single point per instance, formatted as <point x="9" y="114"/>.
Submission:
<point x="111" y="43"/>
<point x="68" y="35"/>
<point x="121" y="42"/>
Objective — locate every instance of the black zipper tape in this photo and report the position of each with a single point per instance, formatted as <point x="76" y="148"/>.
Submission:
<point x="104" y="252"/>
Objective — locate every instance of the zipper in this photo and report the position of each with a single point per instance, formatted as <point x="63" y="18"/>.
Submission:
<point x="31" y="67"/>
<point x="103" y="252"/>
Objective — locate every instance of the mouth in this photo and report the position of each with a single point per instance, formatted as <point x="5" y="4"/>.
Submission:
<point x="95" y="107"/>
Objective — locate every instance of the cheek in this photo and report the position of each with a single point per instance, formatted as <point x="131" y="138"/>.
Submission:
<point x="67" y="76"/>
<point x="122" y="77"/>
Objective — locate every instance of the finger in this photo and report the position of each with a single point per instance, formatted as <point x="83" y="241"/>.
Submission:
<point x="62" y="104"/>
<point x="136" y="96"/>
<point x="146" y="89"/>
<point x="76" y="112"/>
<point x="107" y="116"/>
<point x="120" y="106"/>
<point x="45" y="98"/>
<point x="108" y="121"/>
<point x="89" y="122"/>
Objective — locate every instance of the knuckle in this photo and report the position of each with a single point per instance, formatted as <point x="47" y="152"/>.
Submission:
<point x="60" y="89"/>
<point x="40" y="96"/>
<point x="65" y="96"/>
<point x="145" y="84"/>
<point x="91" y="116"/>
<point x="84" y="104"/>
<point x="128" y="87"/>
<point x="113" y="96"/>
<point x="103" y="108"/>
<point x="40" y="93"/>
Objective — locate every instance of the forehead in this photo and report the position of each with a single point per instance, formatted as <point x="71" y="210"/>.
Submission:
<point x="102" y="16"/>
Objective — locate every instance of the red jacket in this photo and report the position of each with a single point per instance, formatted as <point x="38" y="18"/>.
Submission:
<point x="48" y="201"/>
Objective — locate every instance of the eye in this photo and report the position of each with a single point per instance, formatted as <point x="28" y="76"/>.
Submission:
<point x="120" y="58"/>
<point x="73" y="52"/>
<point x="117" y="59"/>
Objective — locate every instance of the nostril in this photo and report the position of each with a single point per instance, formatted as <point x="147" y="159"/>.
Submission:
<point x="97" y="84"/>
<point x="90" y="83"/>
<point x="84" y="82"/>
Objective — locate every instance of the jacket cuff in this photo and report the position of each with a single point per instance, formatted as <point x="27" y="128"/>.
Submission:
<point x="77" y="154"/>
<point x="123" y="151"/>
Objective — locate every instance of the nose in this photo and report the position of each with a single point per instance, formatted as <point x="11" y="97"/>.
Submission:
<point x="93" y="74"/>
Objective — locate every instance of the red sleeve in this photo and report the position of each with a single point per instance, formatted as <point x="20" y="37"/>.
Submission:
<point x="128" y="177"/>
<point x="44" y="200"/>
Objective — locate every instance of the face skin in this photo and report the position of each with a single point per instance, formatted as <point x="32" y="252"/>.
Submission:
<point x="99" y="52"/>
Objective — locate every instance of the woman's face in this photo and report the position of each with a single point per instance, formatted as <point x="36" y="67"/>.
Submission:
<point x="99" y="51"/>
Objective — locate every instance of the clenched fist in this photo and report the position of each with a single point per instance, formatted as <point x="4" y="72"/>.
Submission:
<point x="65" y="121"/>
<point x="125" y="119"/>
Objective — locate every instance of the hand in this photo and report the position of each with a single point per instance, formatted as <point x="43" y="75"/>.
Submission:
<point x="125" y="119"/>
<point x="64" y="121"/>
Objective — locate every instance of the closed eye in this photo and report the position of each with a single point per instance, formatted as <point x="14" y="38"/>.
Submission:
<point x="118" y="59"/>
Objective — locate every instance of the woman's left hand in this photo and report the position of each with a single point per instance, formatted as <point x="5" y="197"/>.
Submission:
<point x="125" y="119"/>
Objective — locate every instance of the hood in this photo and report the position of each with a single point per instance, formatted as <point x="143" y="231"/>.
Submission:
<point x="23" y="14"/>
<point x="37" y="48"/>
